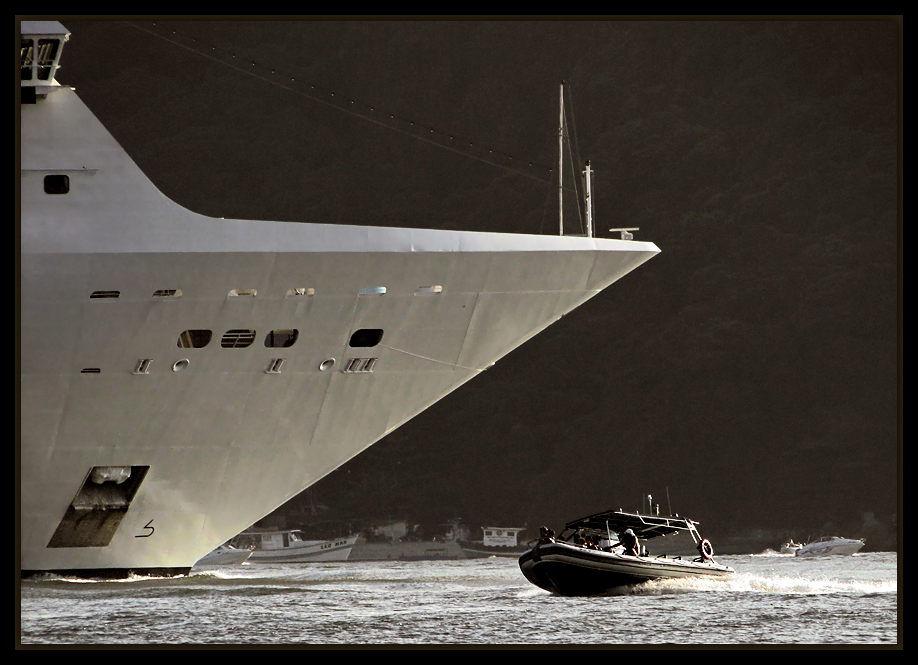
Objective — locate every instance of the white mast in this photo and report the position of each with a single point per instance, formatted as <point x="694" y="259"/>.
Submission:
<point x="587" y="177"/>
<point x="588" y="199"/>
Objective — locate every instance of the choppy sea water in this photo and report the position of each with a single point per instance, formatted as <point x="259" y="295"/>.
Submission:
<point x="773" y="600"/>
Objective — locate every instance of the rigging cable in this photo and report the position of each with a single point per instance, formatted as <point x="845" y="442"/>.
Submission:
<point x="381" y="118"/>
<point x="255" y="70"/>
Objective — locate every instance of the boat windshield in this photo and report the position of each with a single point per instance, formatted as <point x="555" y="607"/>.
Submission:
<point x="644" y="526"/>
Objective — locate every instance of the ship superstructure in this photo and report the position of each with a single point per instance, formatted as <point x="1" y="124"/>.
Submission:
<point x="182" y="376"/>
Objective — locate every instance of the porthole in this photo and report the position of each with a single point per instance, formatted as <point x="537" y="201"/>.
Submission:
<point x="326" y="365"/>
<point x="180" y="365"/>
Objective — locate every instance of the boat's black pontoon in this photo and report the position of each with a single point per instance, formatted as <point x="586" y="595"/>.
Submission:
<point x="587" y="559"/>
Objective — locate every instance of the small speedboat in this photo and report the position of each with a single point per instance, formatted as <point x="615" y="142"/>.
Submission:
<point x="225" y="555"/>
<point x="790" y="547"/>
<point x="586" y="560"/>
<point x="831" y="545"/>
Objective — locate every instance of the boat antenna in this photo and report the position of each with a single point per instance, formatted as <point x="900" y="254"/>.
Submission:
<point x="588" y="199"/>
<point x="561" y="162"/>
<point x="668" y="504"/>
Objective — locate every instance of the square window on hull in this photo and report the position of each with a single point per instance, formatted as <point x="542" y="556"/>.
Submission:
<point x="57" y="184"/>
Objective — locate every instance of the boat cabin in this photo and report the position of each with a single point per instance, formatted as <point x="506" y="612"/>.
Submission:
<point x="500" y="536"/>
<point x="267" y="540"/>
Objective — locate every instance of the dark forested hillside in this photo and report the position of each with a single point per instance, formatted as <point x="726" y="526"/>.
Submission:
<point x="752" y="369"/>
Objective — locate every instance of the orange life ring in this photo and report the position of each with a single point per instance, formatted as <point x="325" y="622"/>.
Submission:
<point x="707" y="551"/>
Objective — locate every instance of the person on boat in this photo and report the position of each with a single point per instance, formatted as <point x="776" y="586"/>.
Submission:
<point x="630" y="543"/>
<point x="546" y="535"/>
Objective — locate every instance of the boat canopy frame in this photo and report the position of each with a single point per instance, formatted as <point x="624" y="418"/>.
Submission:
<point x="644" y="526"/>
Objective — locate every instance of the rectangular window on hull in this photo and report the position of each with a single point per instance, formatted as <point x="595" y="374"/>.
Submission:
<point x="57" y="184"/>
<point x="237" y="339"/>
<point x="26" y="55"/>
<point x="194" y="339"/>
<point x="366" y="337"/>
<point x="45" y="61"/>
<point x="47" y="55"/>
<point x="281" y="339"/>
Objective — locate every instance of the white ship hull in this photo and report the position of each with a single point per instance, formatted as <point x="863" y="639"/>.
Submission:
<point x="194" y="438"/>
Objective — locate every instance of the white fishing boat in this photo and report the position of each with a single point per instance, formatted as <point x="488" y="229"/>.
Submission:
<point x="831" y="545"/>
<point x="586" y="559"/>
<point x="291" y="547"/>
<point x="225" y="555"/>
<point x="169" y="359"/>
<point x="496" y="541"/>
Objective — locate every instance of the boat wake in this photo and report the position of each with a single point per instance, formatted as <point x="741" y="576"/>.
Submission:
<point x="748" y="582"/>
<point x="679" y="585"/>
<point x="771" y="552"/>
<point x="51" y="578"/>
<point x="803" y="585"/>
